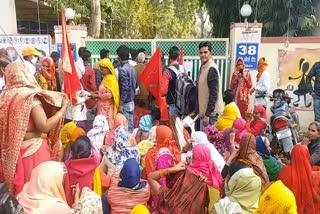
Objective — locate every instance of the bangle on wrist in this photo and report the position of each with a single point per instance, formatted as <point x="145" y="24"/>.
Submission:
<point x="162" y="173"/>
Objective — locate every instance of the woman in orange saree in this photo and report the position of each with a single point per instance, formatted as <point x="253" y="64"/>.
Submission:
<point x="31" y="119"/>
<point x="241" y="84"/>
<point x="164" y="138"/>
<point x="46" y="77"/>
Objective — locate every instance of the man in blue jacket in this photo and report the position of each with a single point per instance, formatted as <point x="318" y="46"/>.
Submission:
<point x="127" y="84"/>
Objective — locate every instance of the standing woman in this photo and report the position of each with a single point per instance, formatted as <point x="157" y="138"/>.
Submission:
<point x="109" y="95"/>
<point x="241" y="84"/>
<point x="46" y="75"/>
<point x="28" y="113"/>
<point x="263" y="83"/>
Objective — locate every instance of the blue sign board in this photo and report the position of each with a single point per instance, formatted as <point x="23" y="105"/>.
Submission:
<point x="249" y="53"/>
<point x="74" y="50"/>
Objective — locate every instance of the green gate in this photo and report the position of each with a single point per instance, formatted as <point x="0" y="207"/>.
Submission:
<point x="191" y="51"/>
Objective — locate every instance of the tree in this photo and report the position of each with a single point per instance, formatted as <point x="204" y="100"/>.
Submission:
<point x="136" y="19"/>
<point x="95" y="19"/>
<point x="274" y="14"/>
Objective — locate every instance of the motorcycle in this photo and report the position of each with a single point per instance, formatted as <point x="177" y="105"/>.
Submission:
<point x="284" y="124"/>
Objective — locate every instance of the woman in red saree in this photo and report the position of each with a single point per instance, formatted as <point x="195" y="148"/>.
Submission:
<point x="302" y="181"/>
<point x="185" y="192"/>
<point x="258" y="124"/>
<point x="241" y="84"/>
<point x="26" y="113"/>
<point x="81" y="167"/>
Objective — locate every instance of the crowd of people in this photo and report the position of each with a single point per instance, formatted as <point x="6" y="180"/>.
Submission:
<point x="111" y="152"/>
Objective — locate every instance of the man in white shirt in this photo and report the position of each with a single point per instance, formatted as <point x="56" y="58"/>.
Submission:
<point x="30" y="57"/>
<point x="80" y="64"/>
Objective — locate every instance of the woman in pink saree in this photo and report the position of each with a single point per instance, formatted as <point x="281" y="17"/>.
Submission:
<point x="109" y="95"/>
<point x="241" y="84"/>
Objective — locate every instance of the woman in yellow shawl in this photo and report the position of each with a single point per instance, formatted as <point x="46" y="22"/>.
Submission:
<point x="277" y="199"/>
<point x="230" y="114"/>
<point x="109" y="95"/>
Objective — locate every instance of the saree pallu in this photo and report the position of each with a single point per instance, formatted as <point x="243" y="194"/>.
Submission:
<point x="184" y="194"/>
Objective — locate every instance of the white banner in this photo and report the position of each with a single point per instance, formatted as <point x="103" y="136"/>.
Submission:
<point x="14" y="44"/>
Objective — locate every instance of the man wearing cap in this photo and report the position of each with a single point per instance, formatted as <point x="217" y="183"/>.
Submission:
<point x="30" y="57"/>
<point x="4" y="61"/>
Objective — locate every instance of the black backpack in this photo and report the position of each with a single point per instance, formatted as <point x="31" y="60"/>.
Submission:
<point x="186" y="94"/>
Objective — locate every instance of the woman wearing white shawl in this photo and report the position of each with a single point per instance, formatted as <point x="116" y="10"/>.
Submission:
<point x="97" y="133"/>
<point x="201" y="138"/>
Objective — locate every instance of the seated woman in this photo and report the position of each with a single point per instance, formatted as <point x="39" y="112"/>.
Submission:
<point x="184" y="193"/>
<point x="273" y="166"/>
<point x="46" y="76"/>
<point x="76" y="132"/>
<point x="257" y="124"/>
<point x="201" y="138"/>
<point x="80" y="167"/>
<point x="127" y="190"/>
<point x="44" y="193"/>
<point x="242" y="191"/>
<point x="302" y="181"/>
<point x="164" y="138"/>
<point x="232" y="136"/>
<point x="66" y="134"/>
<point x="248" y="154"/>
<point x="227" y="118"/>
<point x="277" y="199"/>
<point x="121" y="150"/>
<point x="140" y="209"/>
<point x="145" y="145"/>
<point x="314" y="145"/>
<point x="30" y="125"/>
<point x="145" y="125"/>
<point x="164" y="160"/>
<point x="119" y="120"/>
<point x="97" y="134"/>
<point x="203" y="165"/>
<point x="216" y="138"/>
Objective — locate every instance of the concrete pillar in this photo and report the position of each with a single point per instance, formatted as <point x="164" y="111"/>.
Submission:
<point x="245" y="39"/>
<point x="76" y="36"/>
<point x="8" y="20"/>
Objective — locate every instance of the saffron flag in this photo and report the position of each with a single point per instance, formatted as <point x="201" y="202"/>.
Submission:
<point x="70" y="77"/>
<point x="151" y="78"/>
<point x="181" y="55"/>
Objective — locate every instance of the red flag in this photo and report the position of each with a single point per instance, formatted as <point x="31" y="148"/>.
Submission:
<point x="70" y="77"/>
<point x="151" y="78"/>
<point x="181" y="55"/>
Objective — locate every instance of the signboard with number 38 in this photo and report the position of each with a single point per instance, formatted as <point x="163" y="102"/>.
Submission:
<point x="249" y="53"/>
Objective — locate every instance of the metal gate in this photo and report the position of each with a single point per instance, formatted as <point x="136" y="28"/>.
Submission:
<point x="191" y="51"/>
